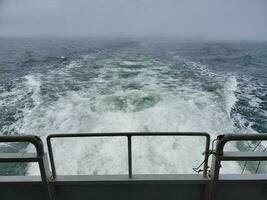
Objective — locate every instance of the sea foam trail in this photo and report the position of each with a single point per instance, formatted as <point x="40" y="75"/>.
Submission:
<point x="127" y="97"/>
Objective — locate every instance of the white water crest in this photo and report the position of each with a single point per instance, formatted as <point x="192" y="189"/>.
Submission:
<point x="138" y="96"/>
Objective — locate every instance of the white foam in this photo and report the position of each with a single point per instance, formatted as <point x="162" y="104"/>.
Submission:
<point x="89" y="110"/>
<point x="33" y="82"/>
<point x="229" y="90"/>
<point x="131" y="63"/>
<point x="255" y="102"/>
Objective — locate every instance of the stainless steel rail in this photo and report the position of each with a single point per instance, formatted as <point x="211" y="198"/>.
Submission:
<point x="220" y="155"/>
<point x="211" y="185"/>
<point x="40" y="157"/>
<point x="129" y="141"/>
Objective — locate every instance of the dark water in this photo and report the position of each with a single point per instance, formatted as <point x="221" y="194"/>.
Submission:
<point x="49" y="86"/>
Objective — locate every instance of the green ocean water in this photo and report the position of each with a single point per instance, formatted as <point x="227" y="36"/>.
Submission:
<point x="71" y="86"/>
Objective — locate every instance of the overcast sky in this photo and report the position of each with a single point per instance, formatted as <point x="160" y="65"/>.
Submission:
<point x="192" y="19"/>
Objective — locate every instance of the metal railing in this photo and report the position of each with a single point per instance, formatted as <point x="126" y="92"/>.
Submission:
<point x="129" y="142"/>
<point x="220" y="155"/>
<point x="40" y="157"/>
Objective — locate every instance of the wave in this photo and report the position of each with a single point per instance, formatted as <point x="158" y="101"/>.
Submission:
<point x="91" y="95"/>
<point x="151" y="108"/>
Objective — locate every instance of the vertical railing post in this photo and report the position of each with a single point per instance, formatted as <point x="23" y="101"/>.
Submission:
<point x="206" y="157"/>
<point x="215" y="169"/>
<point x="51" y="156"/>
<point x="214" y="176"/>
<point x="44" y="171"/>
<point x="129" y="139"/>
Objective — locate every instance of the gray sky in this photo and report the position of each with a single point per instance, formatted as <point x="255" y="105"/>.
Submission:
<point x="191" y="19"/>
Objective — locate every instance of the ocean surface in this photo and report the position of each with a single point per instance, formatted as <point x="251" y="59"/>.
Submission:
<point x="90" y="85"/>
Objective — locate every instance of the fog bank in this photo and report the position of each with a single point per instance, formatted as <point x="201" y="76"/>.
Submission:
<point x="190" y="19"/>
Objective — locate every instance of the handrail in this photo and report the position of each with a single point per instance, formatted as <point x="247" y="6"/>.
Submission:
<point x="221" y="155"/>
<point x="35" y="140"/>
<point x="129" y="136"/>
<point x="218" y="155"/>
<point x="40" y="157"/>
<point x="236" y="137"/>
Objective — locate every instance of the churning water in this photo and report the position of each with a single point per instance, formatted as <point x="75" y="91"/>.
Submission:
<point x="65" y="86"/>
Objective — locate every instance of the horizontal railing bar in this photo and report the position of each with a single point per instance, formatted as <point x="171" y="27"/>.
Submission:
<point x="7" y="160"/>
<point x="36" y="141"/>
<point x="18" y="157"/>
<point x="128" y="134"/>
<point x="191" y="178"/>
<point x="238" y="137"/>
<point x="243" y="156"/>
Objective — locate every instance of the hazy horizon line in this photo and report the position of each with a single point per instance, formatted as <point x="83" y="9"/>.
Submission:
<point x="158" y="38"/>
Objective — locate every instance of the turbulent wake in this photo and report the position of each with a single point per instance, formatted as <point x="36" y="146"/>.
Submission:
<point x="129" y="90"/>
